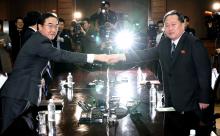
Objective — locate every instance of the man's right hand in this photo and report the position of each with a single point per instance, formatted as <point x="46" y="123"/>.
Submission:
<point x="115" y="58"/>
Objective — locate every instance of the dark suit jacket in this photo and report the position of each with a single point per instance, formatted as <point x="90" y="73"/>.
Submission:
<point x="16" y="42"/>
<point x="27" y="34"/>
<point x="186" y="77"/>
<point x="30" y="64"/>
<point x="66" y="44"/>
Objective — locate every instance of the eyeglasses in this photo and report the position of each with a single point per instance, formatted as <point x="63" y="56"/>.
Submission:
<point x="50" y="26"/>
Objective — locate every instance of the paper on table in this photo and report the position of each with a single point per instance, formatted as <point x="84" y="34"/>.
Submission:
<point x="213" y="134"/>
<point x="3" y="78"/>
<point x="165" y="109"/>
<point x="215" y="75"/>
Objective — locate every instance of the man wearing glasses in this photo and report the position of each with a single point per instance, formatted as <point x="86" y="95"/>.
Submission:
<point x="20" y="93"/>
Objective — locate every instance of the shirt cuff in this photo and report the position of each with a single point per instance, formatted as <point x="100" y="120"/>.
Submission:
<point x="90" y="58"/>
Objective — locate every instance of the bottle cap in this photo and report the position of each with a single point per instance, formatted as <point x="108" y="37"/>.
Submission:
<point x="152" y="85"/>
<point x="192" y="132"/>
<point x="51" y="100"/>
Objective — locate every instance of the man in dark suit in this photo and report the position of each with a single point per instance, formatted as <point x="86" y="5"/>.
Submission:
<point x="189" y="29"/>
<point x="31" y="22"/>
<point x="186" y="77"/>
<point x="16" y="35"/>
<point x="21" y="92"/>
<point x="62" y="41"/>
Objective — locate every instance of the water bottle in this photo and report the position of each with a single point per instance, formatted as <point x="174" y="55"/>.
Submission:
<point x="42" y="129"/>
<point x="70" y="80"/>
<point x="192" y="132"/>
<point x="153" y="94"/>
<point x="139" y="75"/>
<point x="51" y="118"/>
<point x="51" y="128"/>
<point x="160" y="99"/>
<point x="51" y="110"/>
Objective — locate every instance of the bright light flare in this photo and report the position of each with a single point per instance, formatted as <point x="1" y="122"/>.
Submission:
<point x="77" y="15"/>
<point x="125" y="92"/>
<point x="124" y="39"/>
<point x="216" y="6"/>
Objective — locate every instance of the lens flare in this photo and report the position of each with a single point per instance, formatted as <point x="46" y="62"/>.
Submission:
<point x="124" y="39"/>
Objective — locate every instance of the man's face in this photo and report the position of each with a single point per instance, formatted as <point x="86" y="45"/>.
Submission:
<point x="86" y="25"/>
<point x="49" y="28"/>
<point x="173" y="27"/>
<point x="160" y="27"/>
<point x="61" y="26"/>
<point x="19" y="24"/>
<point x="107" y="7"/>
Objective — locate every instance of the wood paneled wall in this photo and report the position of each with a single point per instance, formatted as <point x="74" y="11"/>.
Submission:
<point x="138" y="9"/>
<point x="157" y="9"/>
<point x="65" y="10"/>
<point x="193" y="8"/>
<point x="10" y="9"/>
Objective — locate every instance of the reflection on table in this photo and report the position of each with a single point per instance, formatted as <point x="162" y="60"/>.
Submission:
<point x="106" y="103"/>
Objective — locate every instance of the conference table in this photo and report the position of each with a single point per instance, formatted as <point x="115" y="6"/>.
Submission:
<point x="105" y="101"/>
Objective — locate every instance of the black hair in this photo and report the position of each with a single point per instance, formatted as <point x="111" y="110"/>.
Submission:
<point x="44" y="16"/>
<point x="32" y="18"/>
<point x="174" y="12"/>
<point x="160" y="22"/>
<point x="19" y="18"/>
<point x="87" y="19"/>
<point x="61" y="20"/>
<point x="186" y="18"/>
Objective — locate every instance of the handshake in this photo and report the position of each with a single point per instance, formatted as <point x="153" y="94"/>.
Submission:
<point x="110" y="59"/>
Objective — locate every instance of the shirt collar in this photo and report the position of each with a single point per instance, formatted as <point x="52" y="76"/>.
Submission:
<point x="177" y="40"/>
<point x="32" y="29"/>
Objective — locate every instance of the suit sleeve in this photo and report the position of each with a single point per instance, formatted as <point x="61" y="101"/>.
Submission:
<point x="142" y="55"/>
<point x="203" y="69"/>
<point x="47" y="50"/>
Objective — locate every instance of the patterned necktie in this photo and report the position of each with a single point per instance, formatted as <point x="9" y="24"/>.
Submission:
<point x="48" y="69"/>
<point x="173" y="46"/>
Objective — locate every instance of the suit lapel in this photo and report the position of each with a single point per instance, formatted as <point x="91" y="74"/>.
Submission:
<point x="166" y="48"/>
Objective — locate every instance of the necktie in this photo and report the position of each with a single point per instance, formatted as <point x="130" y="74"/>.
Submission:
<point x="173" y="46"/>
<point x="48" y="69"/>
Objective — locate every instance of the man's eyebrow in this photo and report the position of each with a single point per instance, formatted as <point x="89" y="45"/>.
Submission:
<point x="52" y="24"/>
